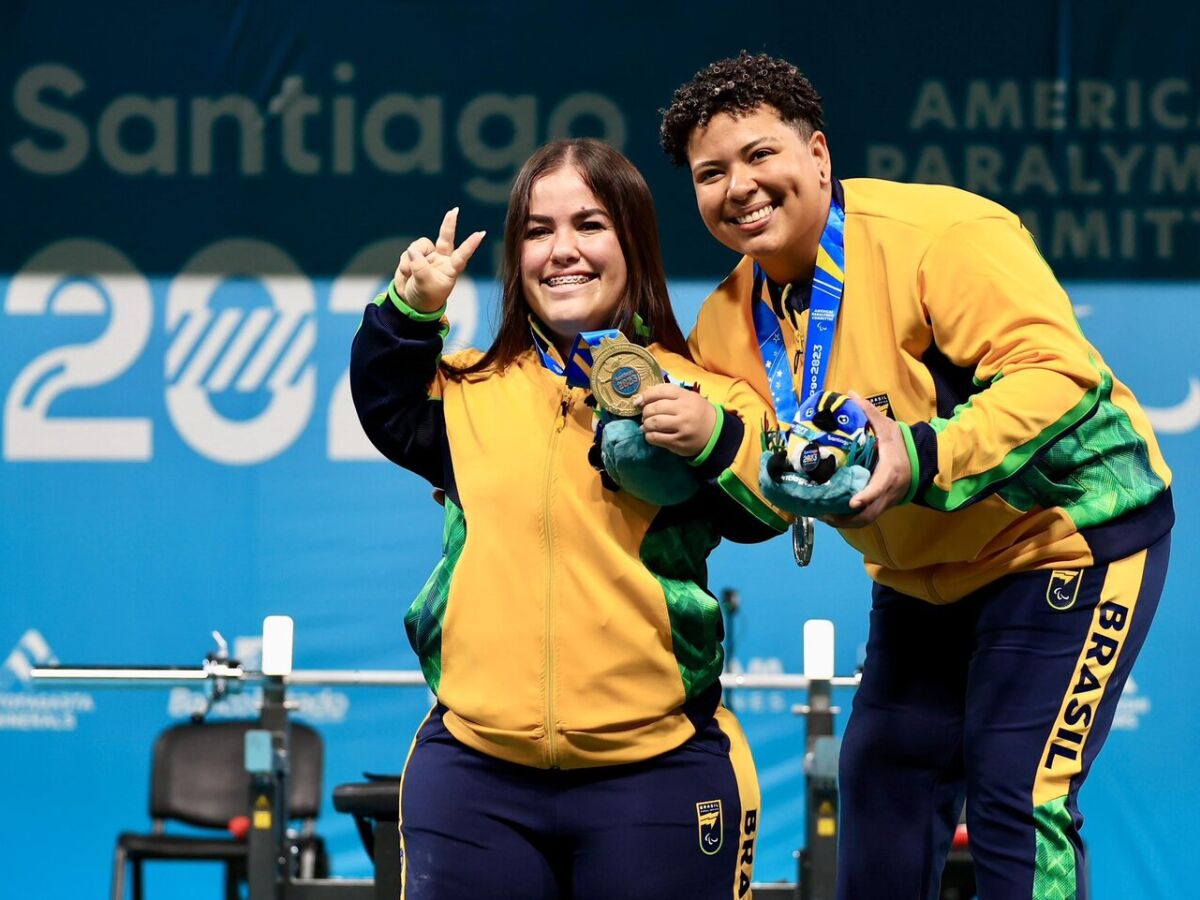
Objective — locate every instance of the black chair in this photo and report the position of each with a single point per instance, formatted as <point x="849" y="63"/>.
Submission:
<point x="375" y="805"/>
<point x="198" y="776"/>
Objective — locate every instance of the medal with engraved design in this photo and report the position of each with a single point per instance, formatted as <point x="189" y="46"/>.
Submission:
<point x="620" y="371"/>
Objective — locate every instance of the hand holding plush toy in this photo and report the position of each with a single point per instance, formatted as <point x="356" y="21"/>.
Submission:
<point x="651" y="473"/>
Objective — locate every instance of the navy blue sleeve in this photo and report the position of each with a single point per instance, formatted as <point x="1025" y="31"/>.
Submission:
<point x="393" y="362"/>
<point x="744" y="522"/>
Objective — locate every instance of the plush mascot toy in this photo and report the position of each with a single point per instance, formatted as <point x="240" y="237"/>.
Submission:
<point x="826" y="458"/>
<point x="650" y="473"/>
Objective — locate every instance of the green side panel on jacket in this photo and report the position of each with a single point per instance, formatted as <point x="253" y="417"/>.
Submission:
<point x="1097" y="472"/>
<point x="964" y="490"/>
<point x="1054" y="871"/>
<point x="676" y="556"/>
<point x="424" y="618"/>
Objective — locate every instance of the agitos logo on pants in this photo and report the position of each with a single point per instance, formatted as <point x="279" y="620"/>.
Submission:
<point x="710" y="822"/>
<point x="1063" y="588"/>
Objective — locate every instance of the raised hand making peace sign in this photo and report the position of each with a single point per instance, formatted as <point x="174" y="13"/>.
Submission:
<point x="426" y="273"/>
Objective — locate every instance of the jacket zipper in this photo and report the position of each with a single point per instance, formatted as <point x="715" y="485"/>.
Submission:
<point x="564" y="411"/>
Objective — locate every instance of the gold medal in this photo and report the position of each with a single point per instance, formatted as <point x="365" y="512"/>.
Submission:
<point x="620" y="371"/>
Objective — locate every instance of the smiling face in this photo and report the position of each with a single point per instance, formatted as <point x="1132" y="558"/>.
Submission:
<point x="763" y="188"/>
<point x="573" y="272"/>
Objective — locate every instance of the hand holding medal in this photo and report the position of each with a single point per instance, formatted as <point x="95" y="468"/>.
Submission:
<point x="620" y="371"/>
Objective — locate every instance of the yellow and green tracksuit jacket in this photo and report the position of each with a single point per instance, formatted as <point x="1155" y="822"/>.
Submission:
<point x="1026" y="451"/>
<point x="567" y="624"/>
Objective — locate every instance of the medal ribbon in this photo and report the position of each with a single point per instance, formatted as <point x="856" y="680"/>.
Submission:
<point x="578" y="368"/>
<point x="579" y="363"/>
<point x="542" y="344"/>
<point x="828" y="284"/>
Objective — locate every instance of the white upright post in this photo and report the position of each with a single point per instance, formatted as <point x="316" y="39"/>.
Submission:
<point x="818" y="859"/>
<point x="278" y="635"/>
<point x="818" y="648"/>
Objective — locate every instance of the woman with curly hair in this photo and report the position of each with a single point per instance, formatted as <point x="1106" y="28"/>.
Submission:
<point x="1017" y="523"/>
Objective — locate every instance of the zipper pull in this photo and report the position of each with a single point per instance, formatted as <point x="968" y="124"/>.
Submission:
<point x="564" y="409"/>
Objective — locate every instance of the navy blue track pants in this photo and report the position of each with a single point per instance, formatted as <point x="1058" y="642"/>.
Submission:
<point x="682" y="824"/>
<point x="1004" y="697"/>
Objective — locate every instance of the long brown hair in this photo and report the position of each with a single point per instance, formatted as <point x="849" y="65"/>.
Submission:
<point x="624" y="194"/>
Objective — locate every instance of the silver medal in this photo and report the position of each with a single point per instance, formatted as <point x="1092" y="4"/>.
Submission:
<point x="802" y="540"/>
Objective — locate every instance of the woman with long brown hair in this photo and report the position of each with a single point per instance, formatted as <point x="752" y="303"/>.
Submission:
<point x="578" y="747"/>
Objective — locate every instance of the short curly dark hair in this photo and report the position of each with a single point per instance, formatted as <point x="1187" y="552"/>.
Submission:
<point x="738" y="86"/>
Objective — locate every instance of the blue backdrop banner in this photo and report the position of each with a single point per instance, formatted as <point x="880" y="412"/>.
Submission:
<point x="201" y="199"/>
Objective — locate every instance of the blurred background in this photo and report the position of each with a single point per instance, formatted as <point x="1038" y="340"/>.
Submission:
<point x="199" y="200"/>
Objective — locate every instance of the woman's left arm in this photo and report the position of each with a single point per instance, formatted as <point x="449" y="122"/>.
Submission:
<point x="718" y="429"/>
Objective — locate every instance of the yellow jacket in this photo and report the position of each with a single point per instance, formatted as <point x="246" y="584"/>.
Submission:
<point x="1027" y="452"/>
<point x="567" y="624"/>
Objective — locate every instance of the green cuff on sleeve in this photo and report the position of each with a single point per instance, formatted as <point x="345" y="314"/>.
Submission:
<point x="413" y="314"/>
<point x="913" y="462"/>
<point x="700" y="457"/>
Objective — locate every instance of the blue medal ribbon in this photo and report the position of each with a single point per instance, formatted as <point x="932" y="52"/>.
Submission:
<point x="578" y="368"/>
<point x="579" y="363"/>
<point x="774" y="355"/>
<point x="828" y="284"/>
<point x="543" y="345"/>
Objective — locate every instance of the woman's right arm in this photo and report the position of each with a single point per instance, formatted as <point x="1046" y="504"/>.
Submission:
<point x="394" y="359"/>
<point x="393" y="379"/>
